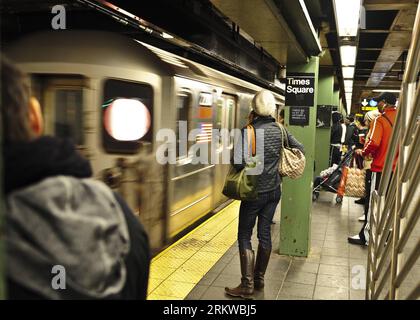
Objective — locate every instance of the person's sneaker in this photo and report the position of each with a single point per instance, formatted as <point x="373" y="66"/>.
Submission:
<point x="360" y="201"/>
<point x="356" y="240"/>
<point x="362" y="218"/>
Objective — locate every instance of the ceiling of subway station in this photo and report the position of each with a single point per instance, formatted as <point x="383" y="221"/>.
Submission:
<point x="382" y="45"/>
<point x="277" y="27"/>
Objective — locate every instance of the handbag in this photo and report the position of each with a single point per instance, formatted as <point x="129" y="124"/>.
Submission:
<point x="238" y="184"/>
<point x="292" y="161"/>
<point x="352" y="183"/>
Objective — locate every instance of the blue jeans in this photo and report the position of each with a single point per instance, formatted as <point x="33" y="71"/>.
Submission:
<point x="263" y="208"/>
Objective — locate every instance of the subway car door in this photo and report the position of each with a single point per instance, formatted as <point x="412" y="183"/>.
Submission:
<point x="224" y="121"/>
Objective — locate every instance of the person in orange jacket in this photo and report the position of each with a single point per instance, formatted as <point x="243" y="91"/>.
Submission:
<point x="376" y="148"/>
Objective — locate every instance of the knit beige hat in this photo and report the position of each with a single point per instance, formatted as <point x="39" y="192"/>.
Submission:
<point x="371" y="115"/>
<point x="264" y="103"/>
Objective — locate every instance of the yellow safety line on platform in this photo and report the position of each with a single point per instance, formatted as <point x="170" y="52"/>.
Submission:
<point x="175" y="271"/>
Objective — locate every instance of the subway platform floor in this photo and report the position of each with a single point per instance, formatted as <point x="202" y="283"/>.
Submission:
<point x="334" y="269"/>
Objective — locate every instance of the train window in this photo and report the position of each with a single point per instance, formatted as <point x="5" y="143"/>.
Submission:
<point x="68" y="114"/>
<point x="230" y="118"/>
<point x="204" y="117"/>
<point x="225" y="116"/>
<point x="61" y="98"/>
<point x="127" y="116"/>
<point x="183" y="114"/>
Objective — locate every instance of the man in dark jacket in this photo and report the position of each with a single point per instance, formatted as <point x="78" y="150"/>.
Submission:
<point x="336" y="138"/>
<point x="67" y="236"/>
<point x="268" y="149"/>
<point x="352" y="133"/>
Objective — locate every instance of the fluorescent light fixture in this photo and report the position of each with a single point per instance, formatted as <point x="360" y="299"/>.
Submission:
<point x="347" y="15"/>
<point x="348" y="83"/>
<point x="385" y="90"/>
<point x="348" y="108"/>
<point x="348" y="55"/>
<point x="348" y="72"/>
<point x="166" y="35"/>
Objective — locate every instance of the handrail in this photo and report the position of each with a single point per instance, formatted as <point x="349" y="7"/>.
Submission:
<point x="411" y="191"/>
<point x="413" y="62"/>
<point x="382" y="282"/>
<point x="412" y="158"/>
<point x="391" y="206"/>
<point x="414" y="294"/>
<point x="394" y="210"/>
<point x="390" y="156"/>
<point x="412" y="124"/>
<point x="411" y="223"/>
<point x="382" y="261"/>
<point x="408" y="265"/>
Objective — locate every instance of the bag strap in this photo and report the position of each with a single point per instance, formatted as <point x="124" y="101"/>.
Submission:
<point x="283" y="135"/>
<point x="389" y="121"/>
<point x="251" y="139"/>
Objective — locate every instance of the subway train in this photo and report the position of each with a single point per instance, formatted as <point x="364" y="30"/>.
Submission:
<point x="112" y="95"/>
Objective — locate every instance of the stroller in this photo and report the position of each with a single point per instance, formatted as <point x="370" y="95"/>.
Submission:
<point x="331" y="181"/>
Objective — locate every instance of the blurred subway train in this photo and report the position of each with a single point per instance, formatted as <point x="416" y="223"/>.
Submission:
<point x="111" y="94"/>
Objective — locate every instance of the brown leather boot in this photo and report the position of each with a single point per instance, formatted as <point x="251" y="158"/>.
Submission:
<point x="246" y="288"/>
<point x="263" y="256"/>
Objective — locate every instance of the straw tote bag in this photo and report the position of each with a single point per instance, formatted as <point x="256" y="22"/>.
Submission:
<point x="353" y="178"/>
<point x="238" y="184"/>
<point x="292" y="161"/>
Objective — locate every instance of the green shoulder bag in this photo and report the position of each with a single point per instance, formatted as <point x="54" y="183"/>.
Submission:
<point x="238" y="184"/>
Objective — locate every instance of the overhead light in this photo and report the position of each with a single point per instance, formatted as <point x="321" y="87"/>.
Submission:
<point x="349" y="95"/>
<point x="347" y="15"/>
<point x="348" y="55"/>
<point x="348" y="83"/>
<point x="348" y="72"/>
<point x="166" y="35"/>
<point x="348" y="108"/>
<point x="385" y="90"/>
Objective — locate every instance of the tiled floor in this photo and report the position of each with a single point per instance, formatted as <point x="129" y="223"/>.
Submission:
<point x="334" y="269"/>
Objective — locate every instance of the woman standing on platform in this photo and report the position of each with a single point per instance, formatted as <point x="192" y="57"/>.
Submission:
<point x="268" y="187"/>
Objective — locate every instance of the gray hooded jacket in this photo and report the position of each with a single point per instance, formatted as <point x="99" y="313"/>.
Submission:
<point x="74" y="223"/>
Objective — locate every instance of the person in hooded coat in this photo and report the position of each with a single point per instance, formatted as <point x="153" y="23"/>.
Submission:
<point x="336" y="138"/>
<point x="67" y="235"/>
<point x="269" y="192"/>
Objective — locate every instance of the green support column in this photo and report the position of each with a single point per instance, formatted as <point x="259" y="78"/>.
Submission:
<point x="296" y="203"/>
<point x="336" y="98"/>
<point x="322" y="136"/>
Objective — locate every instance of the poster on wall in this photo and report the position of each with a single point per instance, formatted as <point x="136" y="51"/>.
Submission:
<point x="299" y="116"/>
<point x="323" y="116"/>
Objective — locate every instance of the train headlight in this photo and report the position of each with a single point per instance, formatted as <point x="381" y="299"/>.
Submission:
<point x="127" y="119"/>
